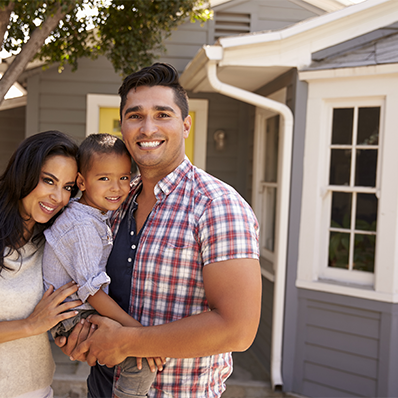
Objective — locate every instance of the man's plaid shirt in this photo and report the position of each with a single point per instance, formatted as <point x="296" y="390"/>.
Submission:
<point x="197" y="220"/>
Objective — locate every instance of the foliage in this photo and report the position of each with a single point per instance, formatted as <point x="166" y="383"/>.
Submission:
<point x="128" y="32"/>
<point x="364" y="245"/>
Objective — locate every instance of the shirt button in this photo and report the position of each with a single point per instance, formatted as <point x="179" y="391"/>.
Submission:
<point x="129" y="260"/>
<point x="131" y="232"/>
<point x="133" y="246"/>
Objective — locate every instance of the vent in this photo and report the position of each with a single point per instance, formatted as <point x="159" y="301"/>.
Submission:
<point x="230" y="24"/>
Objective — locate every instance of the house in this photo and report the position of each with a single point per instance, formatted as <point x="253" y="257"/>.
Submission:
<point x="317" y="102"/>
<point x="71" y="102"/>
<point x="295" y="108"/>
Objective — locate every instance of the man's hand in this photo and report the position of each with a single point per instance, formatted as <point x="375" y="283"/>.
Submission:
<point x="102" y="343"/>
<point x="81" y="332"/>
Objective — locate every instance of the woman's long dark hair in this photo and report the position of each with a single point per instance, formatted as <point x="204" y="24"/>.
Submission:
<point x="20" y="179"/>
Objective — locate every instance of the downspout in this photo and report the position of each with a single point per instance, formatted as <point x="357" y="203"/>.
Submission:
<point x="282" y="216"/>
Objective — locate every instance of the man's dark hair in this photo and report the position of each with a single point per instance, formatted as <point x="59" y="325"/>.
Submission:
<point x="159" y="74"/>
<point x="98" y="144"/>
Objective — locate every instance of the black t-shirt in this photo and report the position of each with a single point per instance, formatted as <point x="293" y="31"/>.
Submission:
<point x="119" y="267"/>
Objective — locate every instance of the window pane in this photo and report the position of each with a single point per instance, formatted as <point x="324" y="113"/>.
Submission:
<point x="271" y="150"/>
<point x="340" y="165"/>
<point x="365" y="171"/>
<point x="368" y="126"/>
<point x="342" y="126"/>
<point x="364" y="252"/>
<point x="339" y="244"/>
<point x="366" y="216"/>
<point x="268" y="221"/>
<point x="341" y="210"/>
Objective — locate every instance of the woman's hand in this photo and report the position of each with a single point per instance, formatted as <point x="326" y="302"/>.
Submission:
<point x="50" y="309"/>
<point x="47" y="313"/>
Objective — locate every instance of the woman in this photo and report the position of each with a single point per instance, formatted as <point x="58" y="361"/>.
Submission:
<point x="36" y="185"/>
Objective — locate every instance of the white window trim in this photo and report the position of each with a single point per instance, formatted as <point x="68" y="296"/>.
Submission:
<point x="261" y="117"/>
<point x="327" y="89"/>
<point x="200" y="106"/>
<point x="325" y="272"/>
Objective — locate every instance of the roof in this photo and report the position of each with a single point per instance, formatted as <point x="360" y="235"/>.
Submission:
<point x="252" y="60"/>
<point x="375" y="48"/>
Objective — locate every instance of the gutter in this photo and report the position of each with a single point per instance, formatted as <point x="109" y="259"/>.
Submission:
<point x="282" y="216"/>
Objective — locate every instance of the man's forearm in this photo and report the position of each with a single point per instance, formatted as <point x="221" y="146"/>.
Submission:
<point x="233" y="291"/>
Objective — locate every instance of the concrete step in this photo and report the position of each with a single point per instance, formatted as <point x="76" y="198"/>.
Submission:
<point x="247" y="381"/>
<point x="70" y="376"/>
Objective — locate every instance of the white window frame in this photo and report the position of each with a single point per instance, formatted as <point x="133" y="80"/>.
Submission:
<point x="325" y="272"/>
<point x="200" y="106"/>
<point x="261" y="117"/>
<point x="362" y="86"/>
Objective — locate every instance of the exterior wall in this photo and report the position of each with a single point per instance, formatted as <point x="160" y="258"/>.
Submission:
<point x="263" y="15"/>
<point x="261" y="347"/>
<point x="231" y="164"/>
<point x="12" y="122"/>
<point x="298" y="94"/>
<point x="296" y="100"/>
<point x="58" y="100"/>
<point x="347" y="347"/>
<point x="347" y="338"/>
<point x="258" y="15"/>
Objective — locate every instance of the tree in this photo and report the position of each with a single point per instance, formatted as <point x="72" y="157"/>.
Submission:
<point x="128" y="32"/>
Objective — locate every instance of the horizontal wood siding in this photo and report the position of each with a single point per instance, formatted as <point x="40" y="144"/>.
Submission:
<point x="229" y="165"/>
<point x="261" y="347"/>
<point x="12" y="132"/>
<point x="184" y="43"/>
<point x="329" y="361"/>
<point x="62" y="96"/>
<point x="266" y="14"/>
<point x="346" y="347"/>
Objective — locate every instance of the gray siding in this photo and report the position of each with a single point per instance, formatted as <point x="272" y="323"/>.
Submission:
<point x="231" y="164"/>
<point x="296" y="99"/>
<point x="261" y="347"/>
<point x="12" y="132"/>
<point x="346" y="347"/>
<point x="184" y="43"/>
<point x="260" y="15"/>
<point x="263" y="15"/>
<point x="297" y="94"/>
<point x="59" y="99"/>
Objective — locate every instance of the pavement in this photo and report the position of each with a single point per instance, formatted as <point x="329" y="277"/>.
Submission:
<point x="249" y="379"/>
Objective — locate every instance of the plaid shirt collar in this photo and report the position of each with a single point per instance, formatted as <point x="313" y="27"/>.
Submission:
<point x="163" y="188"/>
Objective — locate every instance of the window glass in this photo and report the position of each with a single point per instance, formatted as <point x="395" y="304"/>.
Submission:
<point x="339" y="244"/>
<point x="269" y="212"/>
<point x="340" y="167"/>
<point x="352" y="179"/>
<point x="364" y="252"/>
<point x="271" y="149"/>
<point x="366" y="166"/>
<point x="368" y="126"/>
<point x="341" y="210"/>
<point x="366" y="216"/>
<point x="269" y="184"/>
<point x="342" y="126"/>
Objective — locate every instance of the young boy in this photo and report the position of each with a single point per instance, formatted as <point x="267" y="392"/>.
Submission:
<point x="80" y="241"/>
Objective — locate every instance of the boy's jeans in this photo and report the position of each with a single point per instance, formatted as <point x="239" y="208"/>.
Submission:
<point x="133" y="382"/>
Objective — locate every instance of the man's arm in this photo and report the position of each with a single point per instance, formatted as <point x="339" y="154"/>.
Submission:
<point x="233" y="290"/>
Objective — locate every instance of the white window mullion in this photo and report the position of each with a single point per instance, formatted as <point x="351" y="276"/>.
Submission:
<point x="352" y="231"/>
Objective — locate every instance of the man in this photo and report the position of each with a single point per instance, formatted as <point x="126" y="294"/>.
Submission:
<point x="185" y="257"/>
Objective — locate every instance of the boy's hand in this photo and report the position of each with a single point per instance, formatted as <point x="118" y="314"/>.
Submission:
<point x="153" y="363"/>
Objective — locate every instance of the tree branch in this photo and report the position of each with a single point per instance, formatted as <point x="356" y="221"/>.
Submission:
<point x="5" y="18"/>
<point x="29" y="50"/>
